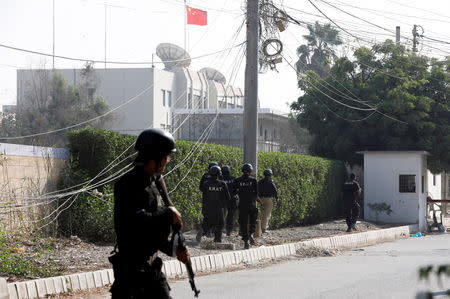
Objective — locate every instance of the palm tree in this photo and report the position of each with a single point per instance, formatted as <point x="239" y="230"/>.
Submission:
<point x="317" y="54"/>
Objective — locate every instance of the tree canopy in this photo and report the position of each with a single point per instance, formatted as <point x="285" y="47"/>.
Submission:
<point x="49" y="104"/>
<point x="318" y="53"/>
<point x="385" y="98"/>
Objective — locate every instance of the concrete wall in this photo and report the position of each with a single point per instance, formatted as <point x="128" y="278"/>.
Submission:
<point x="273" y="128"/>
<point x="434" y="185"/>
<point x="381" y="185"/>
<point x="25" y="173"/>
<point x="135" y="92"/>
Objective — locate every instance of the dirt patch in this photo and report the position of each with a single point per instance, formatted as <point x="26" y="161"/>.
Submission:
<point x="73" y="255"/>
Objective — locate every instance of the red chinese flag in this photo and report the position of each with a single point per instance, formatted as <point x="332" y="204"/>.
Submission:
<point x="195" y="16"/>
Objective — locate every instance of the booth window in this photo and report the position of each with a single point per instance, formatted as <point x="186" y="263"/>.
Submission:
<point x="407" y="183"/>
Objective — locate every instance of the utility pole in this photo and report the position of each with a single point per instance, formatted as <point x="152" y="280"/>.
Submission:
<point x="416" y="35"/>
<point x="397" y="35"/>
<point x="251" y="86"/>
<point x="106" y="6"/>
<point x="53" y="34"/>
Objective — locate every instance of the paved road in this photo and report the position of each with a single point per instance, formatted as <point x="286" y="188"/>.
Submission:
<point x="386" y="270"/>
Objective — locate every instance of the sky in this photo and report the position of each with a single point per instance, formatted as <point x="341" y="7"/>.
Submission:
<point x="134" y="28"/>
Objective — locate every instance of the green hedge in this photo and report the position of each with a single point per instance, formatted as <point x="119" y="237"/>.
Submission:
<point x="308" y="186"/>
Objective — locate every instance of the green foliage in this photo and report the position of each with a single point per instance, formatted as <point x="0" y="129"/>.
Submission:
<point x="316" y="55"/>
<point x="14" y="260"/>
<point x="410" y="93"/>
<point x="439" y="270"/>
<point x="308" y="186"/>
<point x="92" y="151"/>
<point x="48" y="103"/>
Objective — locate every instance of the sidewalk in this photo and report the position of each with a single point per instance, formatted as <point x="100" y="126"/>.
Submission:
<point x="89" y="280"/>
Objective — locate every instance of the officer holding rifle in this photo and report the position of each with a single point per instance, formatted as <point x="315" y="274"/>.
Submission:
<point x="142" y="226"/>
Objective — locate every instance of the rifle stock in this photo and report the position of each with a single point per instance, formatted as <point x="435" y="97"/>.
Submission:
<point x="178" y="240"/>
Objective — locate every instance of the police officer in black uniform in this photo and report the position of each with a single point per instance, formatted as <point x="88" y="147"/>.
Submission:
<point x="142" y="226"/>
<point x="350" y="193"/>
<point x="206" y="227"/>
<point x="231" y="205"/>
<point x="216" y="197"/>
<point x="246" y="188"/>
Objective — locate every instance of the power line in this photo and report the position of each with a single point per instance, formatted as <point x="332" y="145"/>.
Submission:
<point x="110" y="62"/>
<point x="389" y="12"/>
<point x="366" y="21"/>
<point x="420" y="9"/>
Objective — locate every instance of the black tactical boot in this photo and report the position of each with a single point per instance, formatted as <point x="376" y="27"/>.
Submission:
<point x="349" y="229"/>
<point x="199" y="235"/>
<point x="246" y="245"/>
<point x="252" y="241"/>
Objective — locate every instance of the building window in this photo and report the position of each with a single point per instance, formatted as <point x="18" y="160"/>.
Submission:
<point x="260" y="130"/>
<point x="423" y="184"/>
<point x="407" y="183"/>
<point x="163" y="97"/>
<point x="448" y="187"/>
<point x="197" y="102"/>
<point x="434" y="180"/>
<point x="265" y="134"/>
<point x="169" y="98"/>
<point x="189" y="101"/>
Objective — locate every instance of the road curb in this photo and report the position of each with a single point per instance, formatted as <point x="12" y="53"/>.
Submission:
<point x="39" y="288"/>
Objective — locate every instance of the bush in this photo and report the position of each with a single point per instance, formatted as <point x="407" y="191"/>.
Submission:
<point x="308" y="186"/>
<point x="15" y="260"/>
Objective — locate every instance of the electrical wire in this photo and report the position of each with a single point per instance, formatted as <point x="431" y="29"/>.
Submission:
<point x="364" y="20"/>
<point x="85" y="189"/>
<point x="109" y="62"/>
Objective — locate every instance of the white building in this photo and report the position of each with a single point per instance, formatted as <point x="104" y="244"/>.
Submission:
<point x="399" y="182"/>
<point x="164" y="98"/>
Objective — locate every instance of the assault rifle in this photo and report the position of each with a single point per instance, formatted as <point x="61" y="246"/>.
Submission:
<point x="177" y="241"/>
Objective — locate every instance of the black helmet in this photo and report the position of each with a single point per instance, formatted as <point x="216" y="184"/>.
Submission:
<point x="212" y="164"/>
<point x="247" y="167"/>
<point x="215" y="170"/>
<point x="154" y="144"/>
<point x="268" y="172"/>
<point x="226" y="170"/>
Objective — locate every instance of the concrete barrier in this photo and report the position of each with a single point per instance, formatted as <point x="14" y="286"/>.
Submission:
<point x="4" y="292"/>
<point x="173" y="268"/>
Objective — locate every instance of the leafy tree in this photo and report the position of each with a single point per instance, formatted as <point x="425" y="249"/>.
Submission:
<point x="387" y="98"/>
<point x="317" y="54"/>
<point x="48" y="104"/>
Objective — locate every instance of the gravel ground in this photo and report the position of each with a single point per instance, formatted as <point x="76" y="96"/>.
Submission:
<point x="73" y="255"/>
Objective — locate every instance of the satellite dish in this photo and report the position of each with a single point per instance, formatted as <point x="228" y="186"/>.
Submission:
<point x="173" y="55"/>
<point x="214" y="75"/>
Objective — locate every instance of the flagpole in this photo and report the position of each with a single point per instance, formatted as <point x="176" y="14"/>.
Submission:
<point x="185" y="23"/>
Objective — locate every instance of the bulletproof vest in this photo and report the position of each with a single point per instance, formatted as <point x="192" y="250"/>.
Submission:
<point x="348" y="189"/>
<point x="246" y="188"/>
<point x="266" y="188"/>
<point x="215" y="191"/>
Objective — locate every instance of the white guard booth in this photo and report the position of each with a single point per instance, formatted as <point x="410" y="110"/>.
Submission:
<point x="396" y="187"/>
